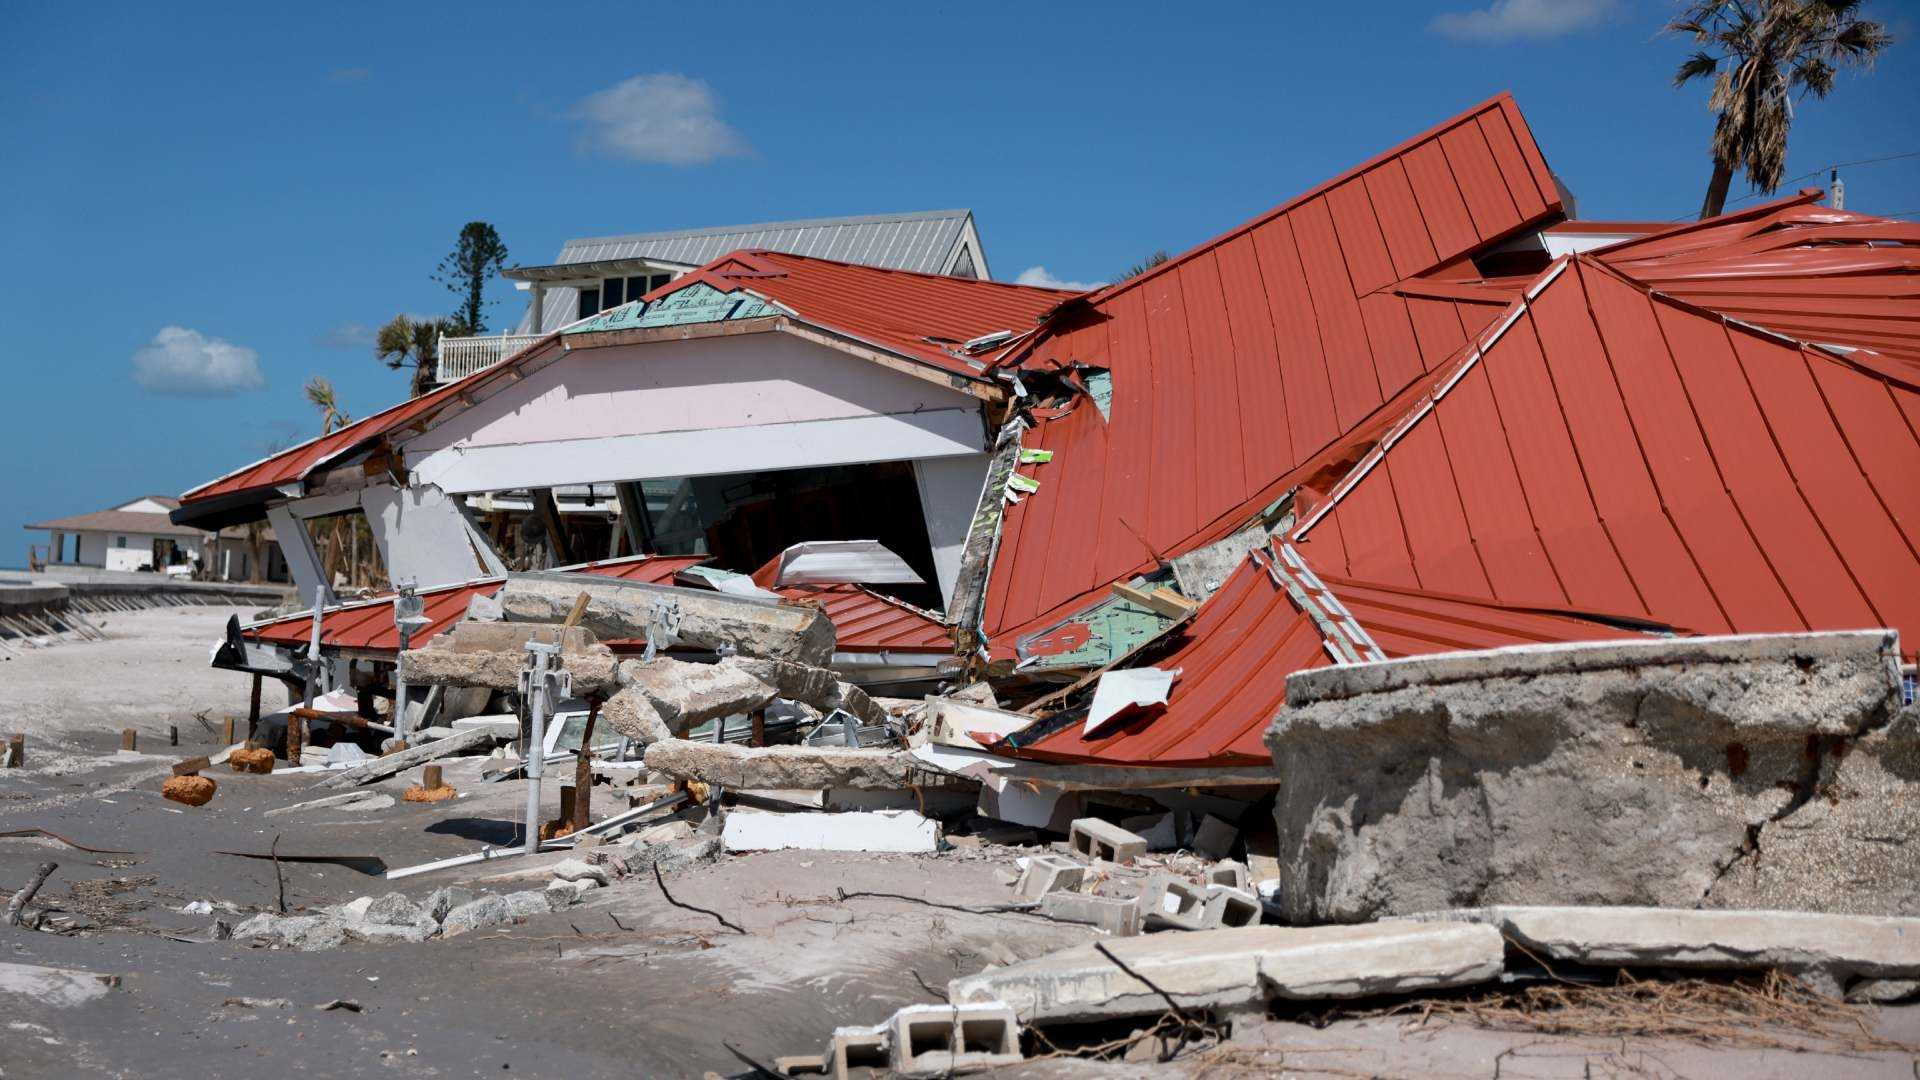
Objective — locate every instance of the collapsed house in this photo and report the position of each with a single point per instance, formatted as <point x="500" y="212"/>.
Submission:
<point x="1419" y="409"/>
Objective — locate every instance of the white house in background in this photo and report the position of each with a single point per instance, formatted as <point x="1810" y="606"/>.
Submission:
<point x="132" y="536"/>
<point x="599" y="273"/>
<point x="139" y="535"/>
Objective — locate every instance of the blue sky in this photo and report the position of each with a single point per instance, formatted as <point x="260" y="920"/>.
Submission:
<point x="203" y="208"/>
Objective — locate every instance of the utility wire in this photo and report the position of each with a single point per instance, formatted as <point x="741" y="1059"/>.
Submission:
<point x="1749" y="197"/>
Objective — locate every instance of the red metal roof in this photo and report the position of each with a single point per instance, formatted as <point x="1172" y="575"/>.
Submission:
<point x="867" y="621"/>
<point x="922" y="316"/>
<point x="1812" y="273"/>
<point x="1244" y="358"/>
<point x="257" y="482"/>
<point x="1614" y="447"/>
<point x="1234" y="659"/>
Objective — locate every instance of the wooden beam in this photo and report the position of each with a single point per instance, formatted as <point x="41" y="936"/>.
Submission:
<point x="549" y="512"/>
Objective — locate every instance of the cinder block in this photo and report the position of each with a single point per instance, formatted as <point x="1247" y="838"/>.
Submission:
<point x="1093" y="838"/>
<point x="1215" y="838"/>
<point x="1049" y="873"/>
<point x="1173" y="903"/>
<point x="1118" y="917"/>
<point x="801" y="1065"/>
<point x="939" y="1040"/>
<point x="1231" y="874"/>
<point x="1230" y="907"/>
<point x="857" y="1048"/>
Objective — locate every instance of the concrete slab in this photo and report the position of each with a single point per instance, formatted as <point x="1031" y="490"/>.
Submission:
<point x="1827" y="950"/>
<point x="1235" y="969"/>
<point x="878" y="830"/>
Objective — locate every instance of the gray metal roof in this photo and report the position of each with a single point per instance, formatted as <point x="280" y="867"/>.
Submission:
<point x="923" y="241"/>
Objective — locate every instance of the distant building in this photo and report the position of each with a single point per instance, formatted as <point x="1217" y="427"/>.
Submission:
<point x="138" y="535"/>
<point x="599" y="273"/>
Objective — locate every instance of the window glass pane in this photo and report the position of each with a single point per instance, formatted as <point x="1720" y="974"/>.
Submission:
<point x="658" y="280"/>
<point x="613" y="293"/>
<point x="589" y="303"/>
<point x="639" y="286"/>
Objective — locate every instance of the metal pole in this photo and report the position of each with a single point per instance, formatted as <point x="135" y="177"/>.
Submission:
<point x="542" y="688"/>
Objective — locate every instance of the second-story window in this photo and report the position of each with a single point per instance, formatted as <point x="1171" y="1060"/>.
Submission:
<point x="612" y="292"/>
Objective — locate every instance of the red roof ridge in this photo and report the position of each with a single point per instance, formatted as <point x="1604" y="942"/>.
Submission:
<point x="1503" y="99"/>
<point x="944" y="279"/>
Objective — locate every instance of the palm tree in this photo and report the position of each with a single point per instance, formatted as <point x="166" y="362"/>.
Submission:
<point x="1143" y="266"/>
<point x="415" y="343"/>
<point x="1761" y="55"/>
<point x="321" y="396"/>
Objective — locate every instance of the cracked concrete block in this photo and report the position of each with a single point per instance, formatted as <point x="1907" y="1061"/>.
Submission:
<point x="488" y="910"/>
<point x="857" y="1048"/>
<point x="1092" y="838"/>
<point x="1829" y="951"/>
<point x="414" y="932"/>
<point x="705" y="619"/>
<point x="943" y="1040"/>
<point x="1215" y="838"/>
<point x="1228" y="906"/>
<point x="1237" y="969"/>
<point x="446" y="898"/>
<point x="686" y="695"/>
<point x="1231" y="874"/>
<point x="527" y="903"/>
<point x="393" y="909"/>
<point x="1117" y="916"/>
<point x="1048" y="873"/>
<point x="1172" y="903"/>
<point x="782" y="768"/>
<point x="1466" y="779"/>
<point x="630" y="713"/>
<point x="592" y="672"/>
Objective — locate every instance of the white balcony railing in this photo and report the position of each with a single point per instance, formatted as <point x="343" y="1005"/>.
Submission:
<point x="462" y="356"/>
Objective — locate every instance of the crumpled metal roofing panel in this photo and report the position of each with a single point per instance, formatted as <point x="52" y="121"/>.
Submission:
<point x="1234" y="659"/>
<point x="925" y="317"/>
<point x="867" y="621"/>
<point x="1245" y="357"/>
<point x="1616" y="448"/>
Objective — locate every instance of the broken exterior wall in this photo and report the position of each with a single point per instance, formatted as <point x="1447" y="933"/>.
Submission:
<point x="1653" y="773"/>
<point x="709" y="620"/>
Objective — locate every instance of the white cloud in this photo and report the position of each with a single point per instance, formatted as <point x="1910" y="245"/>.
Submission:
<point x="1038" y="275"/>
<point x="186" y="363"/>
<point x="662" y="119"/>
<point x="347" y="335"/>
<point x="1516" y="20"/>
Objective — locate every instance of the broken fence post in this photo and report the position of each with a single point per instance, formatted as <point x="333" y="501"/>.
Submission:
<point x="430" y="778"/>
<point x="17" y="750"/>
<point x="129" y="739"/>
<point x="25" y="895"/>
<point x="173" y="735"/>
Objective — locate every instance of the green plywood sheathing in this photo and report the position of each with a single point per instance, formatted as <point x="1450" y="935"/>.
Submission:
<point x="697" y="303"/>
<point x="1112" y="628"/>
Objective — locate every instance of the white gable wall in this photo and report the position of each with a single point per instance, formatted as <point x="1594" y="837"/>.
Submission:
<point x="692" y="408"/>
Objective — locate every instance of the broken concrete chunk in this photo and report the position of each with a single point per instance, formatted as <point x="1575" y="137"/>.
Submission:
<point x="776" y="768"/>
<point x="1228" y="906"/>
<point x="560" y="893"/>
<point x="445" y="899"/>
<point x="687" y="694"/>
<point x="857" y="1048"/>
<point x="632" y="714"/>
<point x="1049" y="873"/>
<point x="1116" y="916"/>
<point x="1229" y="969"/>
<point x="698" y="617"/>
<point x="1172" y="903"/>
<point x="878" y="830"/>
<point x="580" y="870"/>
<point x="1215" y="838"/>
<point x="942" y="1040"/>
<point x="1828" y="951"/>
<point x="478" y="914"/>
<point x="592" y="672"/>
<point x="527" y="903"/>
<point x="1414" y="785"/>
<point x="394" y="909"/>
<point x="1093" y="838"/>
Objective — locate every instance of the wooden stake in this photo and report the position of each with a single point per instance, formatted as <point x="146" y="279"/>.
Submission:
<point x="16" y="750"/>
<point x="583" y="769"/>
<point x="566" y="802"/>
<point x="253" y="712"/>
<point x="129" y="739"/>
<point x="430" y="778"/>
<point x="173" y="735"/>
<point x="759" y="727"/>
<point x="296" y="735"/>
<point x="229" y="741"/>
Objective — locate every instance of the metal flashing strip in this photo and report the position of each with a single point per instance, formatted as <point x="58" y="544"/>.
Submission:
<point x="1419" y="412"/>
<point x="1341" y="635"/>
